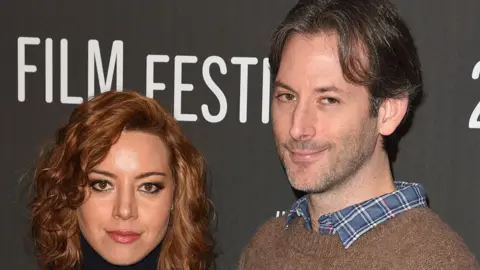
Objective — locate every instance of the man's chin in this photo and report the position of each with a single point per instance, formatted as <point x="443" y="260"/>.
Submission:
<point x="308" y="184"/>
<point x="303" y="185"/>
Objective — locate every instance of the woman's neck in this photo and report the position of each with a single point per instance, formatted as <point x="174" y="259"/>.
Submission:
<point x="92" y="260"/>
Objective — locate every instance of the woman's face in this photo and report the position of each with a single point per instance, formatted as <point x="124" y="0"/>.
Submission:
<point x="126" y="212"/>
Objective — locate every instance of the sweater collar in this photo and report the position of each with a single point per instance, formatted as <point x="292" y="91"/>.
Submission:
<point x="353" y="221"/>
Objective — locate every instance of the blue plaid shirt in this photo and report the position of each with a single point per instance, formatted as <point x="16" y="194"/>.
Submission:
<point x="353" y="221"/>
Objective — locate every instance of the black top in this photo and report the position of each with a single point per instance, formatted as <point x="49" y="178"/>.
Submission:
<point x="93" y="261"/>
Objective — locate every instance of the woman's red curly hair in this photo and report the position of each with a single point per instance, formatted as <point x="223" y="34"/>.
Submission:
<point x="61" y="176"/>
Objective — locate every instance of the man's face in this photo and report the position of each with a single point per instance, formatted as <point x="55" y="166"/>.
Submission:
<point x="322" y="124"/>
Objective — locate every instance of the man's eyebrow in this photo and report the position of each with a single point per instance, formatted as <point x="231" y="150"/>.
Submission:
<point x="323" y="89"/>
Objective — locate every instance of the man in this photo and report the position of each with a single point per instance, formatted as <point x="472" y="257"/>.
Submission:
<point x="345" y="75"/>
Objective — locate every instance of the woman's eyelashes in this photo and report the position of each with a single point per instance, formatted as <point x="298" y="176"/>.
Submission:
<point x="105" y="186"/>
<point x="151" y="188"/>
<point x="100" y="185"/>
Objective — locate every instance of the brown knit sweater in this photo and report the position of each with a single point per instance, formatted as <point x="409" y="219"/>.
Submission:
<point x="415" y="239"/>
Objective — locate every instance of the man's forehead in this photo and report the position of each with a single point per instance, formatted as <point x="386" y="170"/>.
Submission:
<point x="312" y="41"/>
<point x="353" y="50"/>
<point x="319" y="57"/>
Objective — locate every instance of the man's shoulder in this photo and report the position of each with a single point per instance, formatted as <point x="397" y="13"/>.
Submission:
<point x="263" y="243"/>
<point x="424" y="221"/>
<point x="269" y="230"/>
<point x="423" y="234"/>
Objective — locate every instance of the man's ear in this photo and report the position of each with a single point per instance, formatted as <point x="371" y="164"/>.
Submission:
<point x="391" y="113"/>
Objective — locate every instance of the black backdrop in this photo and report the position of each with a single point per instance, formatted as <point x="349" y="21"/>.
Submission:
<point x="210" y="58"/>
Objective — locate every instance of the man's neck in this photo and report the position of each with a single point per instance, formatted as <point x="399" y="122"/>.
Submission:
<point x="371" y="180"/>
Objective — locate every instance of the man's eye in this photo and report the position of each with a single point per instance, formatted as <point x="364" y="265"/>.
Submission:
<point x="285" y="97"/>
<point x="329" y="100"/>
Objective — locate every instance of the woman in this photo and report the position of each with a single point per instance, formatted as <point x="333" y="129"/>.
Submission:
<point x="122" y="186"/>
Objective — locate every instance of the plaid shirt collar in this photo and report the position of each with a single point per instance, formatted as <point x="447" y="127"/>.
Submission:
<point x="353" y="221"/>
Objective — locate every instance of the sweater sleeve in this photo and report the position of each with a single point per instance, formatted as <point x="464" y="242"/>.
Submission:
<point x="243" y="263"/>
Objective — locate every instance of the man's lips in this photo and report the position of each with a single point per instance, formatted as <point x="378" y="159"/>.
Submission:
<point x="305" y="156"/>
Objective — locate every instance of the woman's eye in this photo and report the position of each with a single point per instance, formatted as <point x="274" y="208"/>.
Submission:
<point x="151" y="188"/>
<point x="101" y="185"/>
